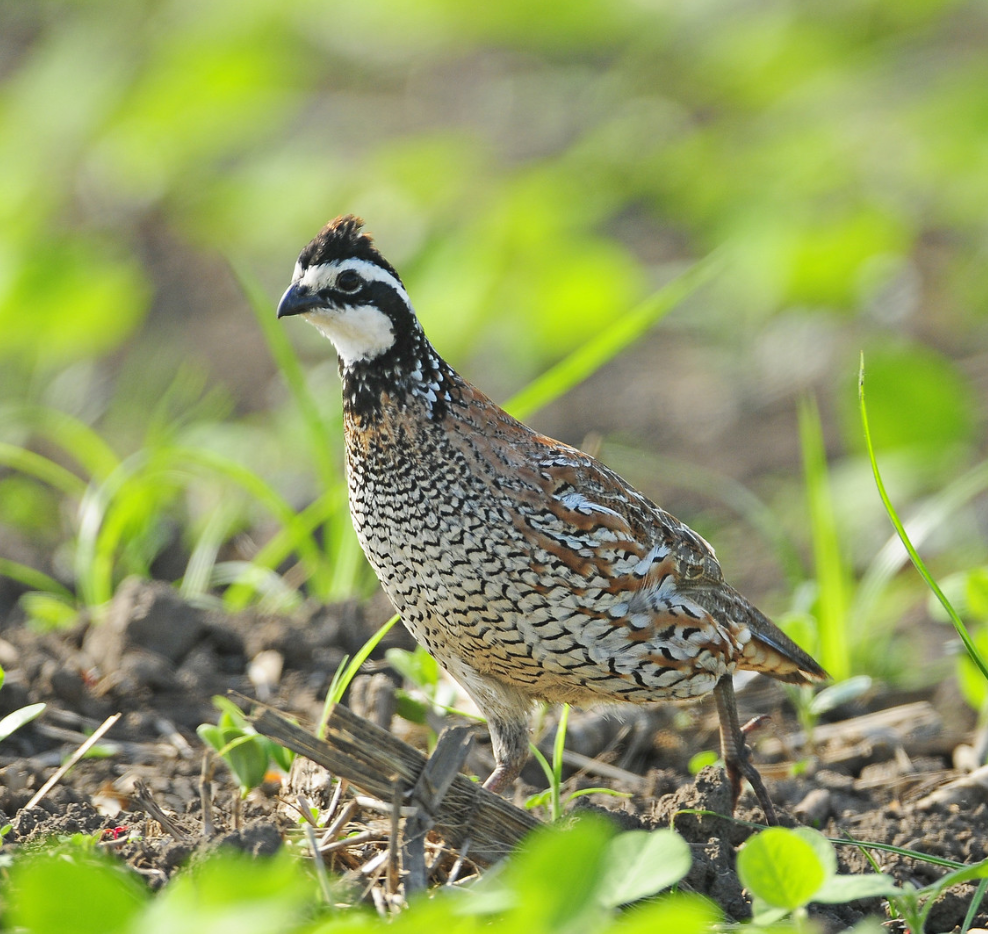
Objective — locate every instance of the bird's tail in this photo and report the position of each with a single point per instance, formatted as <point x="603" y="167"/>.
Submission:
<point x="770" y="651"/>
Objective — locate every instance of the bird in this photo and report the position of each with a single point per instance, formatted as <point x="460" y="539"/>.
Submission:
<point x="530" y="570"/>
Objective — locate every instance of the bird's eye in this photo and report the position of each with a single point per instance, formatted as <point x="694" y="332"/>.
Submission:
<point x="349" y="281"/>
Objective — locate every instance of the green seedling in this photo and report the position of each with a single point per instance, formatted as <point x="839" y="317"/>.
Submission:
<point x="574" y="877"/>
<point x="552" y="798"/>
<point x="785" y="870"/>
<point x="248" y="754"/>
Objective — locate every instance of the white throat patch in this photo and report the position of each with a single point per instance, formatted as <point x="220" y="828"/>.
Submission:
<point x="359" y="332"/>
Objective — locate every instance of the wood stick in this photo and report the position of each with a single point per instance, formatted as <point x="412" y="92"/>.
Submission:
<point x="372" y="759"/>
<point x="72" y="760"/>
<point x="427" y="796"/>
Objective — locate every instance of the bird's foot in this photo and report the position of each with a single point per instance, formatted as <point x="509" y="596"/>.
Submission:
<point x="741" y="768"/>
<point x="735" y="751"/>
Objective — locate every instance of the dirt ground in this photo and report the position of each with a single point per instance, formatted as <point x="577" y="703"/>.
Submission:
<point x="880" y="770"/>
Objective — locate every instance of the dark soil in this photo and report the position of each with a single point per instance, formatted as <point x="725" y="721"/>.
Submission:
<point x="882" y="771"/>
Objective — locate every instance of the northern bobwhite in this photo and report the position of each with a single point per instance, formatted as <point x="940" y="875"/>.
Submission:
<point x="526" y="567"/>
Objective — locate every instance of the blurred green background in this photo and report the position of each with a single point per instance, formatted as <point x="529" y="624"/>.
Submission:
<point x="534" y="170"/>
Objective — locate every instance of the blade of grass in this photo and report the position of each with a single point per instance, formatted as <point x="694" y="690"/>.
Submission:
<point x="591" y="356"/>
<point x="93" y="566"/>
<point x="277" y="549"/>
<point x="929" y="516"/>
<point x="828" y="561"/>
<point x="41" y="468"/>
<point x="558" y="748"/>
<point x="344" y="675"/>
<point x="959" y="626"/>
<point x="339" y="540"/>
<point x="972" y="909"/>
<point x="100" y="531"/>
<point x="76" y="438"/>
<point x="276" y="595"/>
<point x="36" y="580"/>
<point x="199" y="571"/>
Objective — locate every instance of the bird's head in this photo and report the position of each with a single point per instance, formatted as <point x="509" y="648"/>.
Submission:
<point x="351" y="293"/>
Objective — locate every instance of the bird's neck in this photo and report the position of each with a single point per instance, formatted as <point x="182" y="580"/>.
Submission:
<point x="410" y="373"/>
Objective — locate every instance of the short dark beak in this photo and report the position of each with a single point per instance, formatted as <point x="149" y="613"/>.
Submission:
<point x="297" y="300"/>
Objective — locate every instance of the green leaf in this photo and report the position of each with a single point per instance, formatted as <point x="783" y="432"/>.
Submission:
<point x="701" y="760"/>
<point x="970" y="680"/>
<point x="51" y="894"/>
<point x="418" y="667"/>
<point x="247" y="756"/>
<point x="641" y="863"/>
<point x="85" y="298"/>
<point x="676" y="914"/>
<point x="281" y="756"/>
<point x="823" y="848"/>
<point x="556" y="875"/>
<point x="410" y="708"/>
<point x="49" y="611"/>
<point x="230" y="893"/>
<point x="17" y="719"/>
<point x="211" y="735"/>
<point x="841" y="889"/>
<point x="976" y="592"/>
<point x="232" y="714"/>
<point x="781" y="868"/>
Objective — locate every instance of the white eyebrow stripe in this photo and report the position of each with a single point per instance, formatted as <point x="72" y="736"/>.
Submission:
<point x="325" y="274"/>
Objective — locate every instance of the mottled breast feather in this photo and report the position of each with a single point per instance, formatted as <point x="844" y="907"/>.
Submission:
<point x="530" y="562"/>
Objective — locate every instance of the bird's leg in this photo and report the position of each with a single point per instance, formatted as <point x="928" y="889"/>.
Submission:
<point x="509" y="739"/>
<point x="735" y="752"/>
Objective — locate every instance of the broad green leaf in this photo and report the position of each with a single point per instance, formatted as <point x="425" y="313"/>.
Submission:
<point x="247" y="756"/>
<point x="976" y="592"/>
<point x="823" y="848"/>
<point x="556" y="875"/>
<point x="701" y="760"/>
<point x="83" y="298"/>
<point x="781" y="868"/>
<point x="418" y="666"/>
<point x="53" y="894"/>
<point x="233" y="894"/>
<point x="972" y="682"/>
<point x="676" y="914"/>
<point x="641" y="863"/>
<point x="848" y="888"/>
<point x="233" y="715"/>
